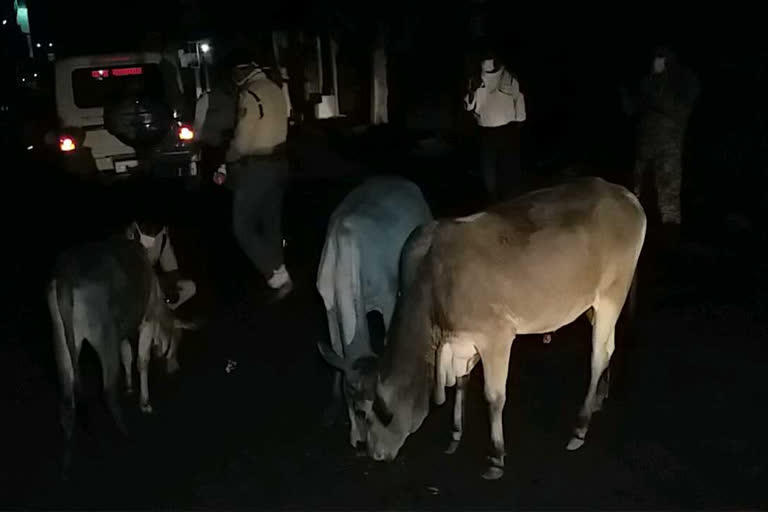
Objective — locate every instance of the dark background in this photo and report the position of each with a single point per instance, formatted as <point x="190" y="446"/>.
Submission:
<point x="685" y="428"/>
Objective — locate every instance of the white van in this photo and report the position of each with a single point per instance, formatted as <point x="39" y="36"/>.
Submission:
<point x="123" y="113"/>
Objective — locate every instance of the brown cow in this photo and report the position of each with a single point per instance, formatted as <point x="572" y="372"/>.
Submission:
<point x="530" y="265"/>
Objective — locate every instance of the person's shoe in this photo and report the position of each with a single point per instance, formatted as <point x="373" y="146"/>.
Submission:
<point x="280" y="284"/>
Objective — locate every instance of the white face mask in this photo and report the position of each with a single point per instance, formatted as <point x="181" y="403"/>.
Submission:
<point x="146" y="240"/>
<point x="488" y="66"/>
<point x="659" y="65"/>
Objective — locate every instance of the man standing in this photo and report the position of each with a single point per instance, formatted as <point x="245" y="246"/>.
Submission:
<point x="499" y="109"/>
<point x="257" y="167"/>
<point x="664" y="102"/>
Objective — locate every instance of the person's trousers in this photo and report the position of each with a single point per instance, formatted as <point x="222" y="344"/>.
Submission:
<point x="258" y="185"/>
<point x="500" y="154"/>
<point x="666" y="168"/>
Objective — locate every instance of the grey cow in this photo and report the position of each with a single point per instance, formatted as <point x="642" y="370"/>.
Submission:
<point x="358" y="274"/>
<point x="105" y="293"/>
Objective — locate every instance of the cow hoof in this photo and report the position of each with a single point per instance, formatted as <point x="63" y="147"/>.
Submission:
<point x="574" y="444"/>
<point x="146" y="408"/>
<point x="493" y="473"/>
<point x="452" y="447"/>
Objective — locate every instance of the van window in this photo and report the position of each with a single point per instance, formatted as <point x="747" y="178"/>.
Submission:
<point x="97" y="87"/>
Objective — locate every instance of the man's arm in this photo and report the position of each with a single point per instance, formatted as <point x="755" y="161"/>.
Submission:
<point x="520" y="114"/>
<point x="168" y="262"/>
<point x="470" y="99"/>
<point x="169" y="277"/>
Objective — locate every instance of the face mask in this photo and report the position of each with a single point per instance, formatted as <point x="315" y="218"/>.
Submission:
<point x="489" y="66"/>
<point x="146" y="240"/>
<point x="659" y="64"/>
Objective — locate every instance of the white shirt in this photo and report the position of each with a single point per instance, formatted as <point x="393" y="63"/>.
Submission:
<point x="498" y="101"/>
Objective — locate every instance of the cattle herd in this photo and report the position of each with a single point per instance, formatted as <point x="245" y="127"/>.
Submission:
<point x="451" y="292"/>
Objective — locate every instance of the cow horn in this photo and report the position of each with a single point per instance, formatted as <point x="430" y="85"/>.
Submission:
<point x="331" y="357"/>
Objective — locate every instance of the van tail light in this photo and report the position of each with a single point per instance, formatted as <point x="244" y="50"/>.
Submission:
<point x="67" y="143"/>
<point x="186" y="133"/>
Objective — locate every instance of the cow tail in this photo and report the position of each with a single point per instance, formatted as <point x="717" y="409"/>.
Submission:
<point x="59" y="297"/>
<point x="326" y="287"/>
<point x="325" y="271"/>
<point x="348" y="291"/>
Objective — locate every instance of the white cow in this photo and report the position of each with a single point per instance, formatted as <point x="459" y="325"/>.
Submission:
<point x="527" y="266"/>
<point x="358" y="274"/>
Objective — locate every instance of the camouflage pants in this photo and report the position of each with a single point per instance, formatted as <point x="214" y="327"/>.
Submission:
<point x="667" y="177"/>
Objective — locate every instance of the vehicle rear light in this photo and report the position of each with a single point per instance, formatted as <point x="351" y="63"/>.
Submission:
<point x="127" y="71"/>
<point x="67" y="143"/>
<point x="186" y="133"/>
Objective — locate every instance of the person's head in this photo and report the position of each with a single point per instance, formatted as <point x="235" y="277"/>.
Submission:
<point x="489" y="65"/>
<point x="663" y="58"/>
<point x="243" y="63"/>
<point x="489" y="60"/>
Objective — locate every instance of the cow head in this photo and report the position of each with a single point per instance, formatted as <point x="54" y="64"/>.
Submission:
<point x="397" y="411"/>
<point x="359" y="387"/>
<point x="405" y="375"/>
<point x="388" y="406"/>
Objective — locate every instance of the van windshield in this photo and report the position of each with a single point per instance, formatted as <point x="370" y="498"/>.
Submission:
<point x="97" y="87"/>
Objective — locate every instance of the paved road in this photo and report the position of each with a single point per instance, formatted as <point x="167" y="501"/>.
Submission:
<point x="684" y="427"/>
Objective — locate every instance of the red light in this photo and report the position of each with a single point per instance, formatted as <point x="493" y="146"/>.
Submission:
<point x="127" y="71"/>
<point x="186" y="133"/>
<point x="67" y="143"/>
<point x="100" y="73"/>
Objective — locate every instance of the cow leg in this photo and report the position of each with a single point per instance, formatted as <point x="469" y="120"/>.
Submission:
<point x="66" y="363"/>
<point x="605" y="380"/>
<point x="110" y="367"/>
<point x="603" y="388"/>
<point x="603" y="342"/>
<point x="145" y="346"/>
<point x="126" y="355"/>
<point x="458" y="414"/>
<point x="495" y="359"/>
<point x="171" y="361"/>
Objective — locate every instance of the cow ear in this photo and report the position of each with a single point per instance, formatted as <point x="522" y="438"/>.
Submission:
<point x="331" y="357"/>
